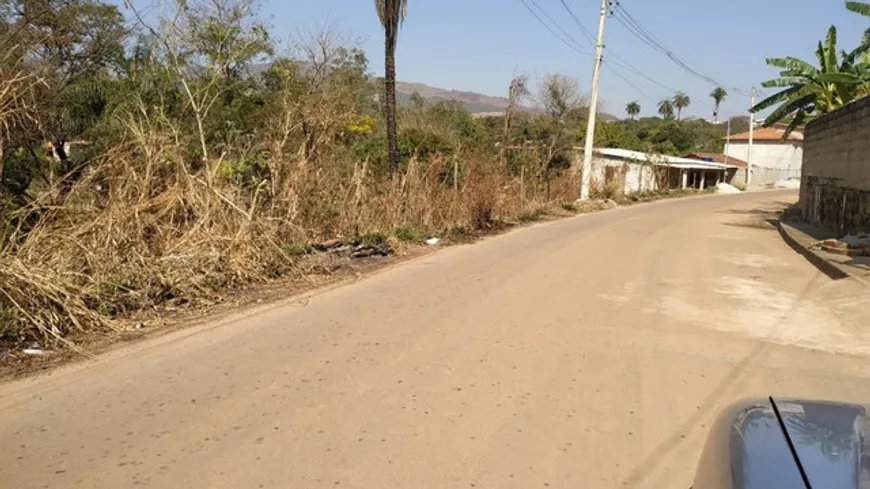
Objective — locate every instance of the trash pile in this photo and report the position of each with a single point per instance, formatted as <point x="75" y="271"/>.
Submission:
<point x="850" y="245"/>
<point x="727" y="188"/>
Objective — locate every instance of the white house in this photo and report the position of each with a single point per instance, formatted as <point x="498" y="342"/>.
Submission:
<point x="773" y="158"/>
<point x="634" y="171"/>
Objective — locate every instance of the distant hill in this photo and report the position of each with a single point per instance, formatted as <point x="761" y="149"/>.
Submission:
<point x="477" y="103"/>
<point x="473" y="102"/>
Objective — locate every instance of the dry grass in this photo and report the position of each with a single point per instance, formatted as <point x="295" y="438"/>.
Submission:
<point x="146" y="228"/>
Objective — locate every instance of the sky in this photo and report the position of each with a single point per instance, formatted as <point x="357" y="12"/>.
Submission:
<point x="479" y="45"/>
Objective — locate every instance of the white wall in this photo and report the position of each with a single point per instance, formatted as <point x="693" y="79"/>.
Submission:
<point x="638" y="178"/>
<point x="771" y="161"/>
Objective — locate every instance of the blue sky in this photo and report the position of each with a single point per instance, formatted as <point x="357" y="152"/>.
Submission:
<point x="479" y="45"/>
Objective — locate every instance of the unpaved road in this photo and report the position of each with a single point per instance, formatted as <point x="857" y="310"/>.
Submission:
<point x="587" y="352"/>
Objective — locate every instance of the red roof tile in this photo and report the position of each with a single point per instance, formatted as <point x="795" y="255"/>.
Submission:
<point x="768" y="134"/>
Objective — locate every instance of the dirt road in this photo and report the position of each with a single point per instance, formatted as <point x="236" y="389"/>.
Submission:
<point x="587" y="352"/>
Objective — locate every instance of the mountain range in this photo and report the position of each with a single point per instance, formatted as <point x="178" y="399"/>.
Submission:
<point x="474" y="102"/>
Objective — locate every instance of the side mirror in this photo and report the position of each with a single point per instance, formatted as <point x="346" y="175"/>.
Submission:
<point x="787" y="444"/>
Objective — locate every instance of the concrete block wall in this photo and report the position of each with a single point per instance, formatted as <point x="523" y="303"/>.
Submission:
<point x="835" y="181"/>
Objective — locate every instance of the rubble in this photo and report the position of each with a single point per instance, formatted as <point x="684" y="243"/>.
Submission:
<point x="849" y="245"/>
<point x="355" y="248"/>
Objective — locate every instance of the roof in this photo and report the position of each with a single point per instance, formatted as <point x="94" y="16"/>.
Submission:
<point x="718" y="158"/>
<point x="773" y="134"/>
<point x="672" y="161"/>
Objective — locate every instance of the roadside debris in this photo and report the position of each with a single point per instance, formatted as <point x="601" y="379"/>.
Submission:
<point x="329" y="244"/>
<point x="727" y="188"/>
<point x="584" y="206"/>
<point x="432" y="241"/>
<point x="355" y="248"/>
<point x="850" y="245"/>
<point x="859" y="240"/>
<point x="33" y="352"/>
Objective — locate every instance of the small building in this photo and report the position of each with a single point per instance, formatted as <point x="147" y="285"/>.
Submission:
<point x="773" y="158"/>
<point x="736" y="172"/>
<point x="628" y="172"/>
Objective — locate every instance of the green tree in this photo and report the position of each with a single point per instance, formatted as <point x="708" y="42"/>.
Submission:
<point x="681" y="101"/>
<point x="809" y="91"/>
<point x="66" y="45"/>
<point x="718" y="95"/>
<point x="666" y="109"/>
<point x="392" y="14"/>
<point x="632" y="109"/>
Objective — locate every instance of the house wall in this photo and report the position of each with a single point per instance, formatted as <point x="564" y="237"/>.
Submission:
<point x="771" y="160"/>
<point x="634" y="177"/>
<point x="640" y="178"/>
<point x="835" y="186"/>
<point x="736" y="176"/>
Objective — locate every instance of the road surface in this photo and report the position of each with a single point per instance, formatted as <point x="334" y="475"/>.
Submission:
<point x="586" y="352"/>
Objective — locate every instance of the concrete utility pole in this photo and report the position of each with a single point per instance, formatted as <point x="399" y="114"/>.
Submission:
<point x="751" y="135"/>
<point x="586" y="170"/>
<point x="727" y="139"/>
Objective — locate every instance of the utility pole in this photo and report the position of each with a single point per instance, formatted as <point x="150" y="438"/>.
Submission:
<point x="727" y="139"/>
<point x="751" y="135"/>
<point x="586" y="170"/>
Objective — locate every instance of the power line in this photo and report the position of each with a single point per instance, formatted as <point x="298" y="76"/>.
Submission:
<point x="611" y="65"/>
<point x="626" y="80"/>
<point x="576" y="46"/>
<point x="638" y="30"/>
<point x="582" y="27"/>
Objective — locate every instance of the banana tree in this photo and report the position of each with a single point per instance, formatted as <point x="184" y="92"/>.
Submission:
<point x="809" y="91"/>
<point x="859" y="8"/>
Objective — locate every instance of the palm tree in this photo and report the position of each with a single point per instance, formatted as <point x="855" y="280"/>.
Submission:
<point x="392" y="14"/>
<point x="681" y="101"/>
<point x="809" y="91"/>
<point x="633" y="109"/>
<point x="666" y="109"/>
<point x="718" y="95"/>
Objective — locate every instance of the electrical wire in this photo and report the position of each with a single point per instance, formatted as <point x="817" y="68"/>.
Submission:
<point x="626" y="80"/>
<point x="583" y="29"/>
<point x="576" y="46"/>
<point x="614" y="60"/>
<point x="638" y="30"/>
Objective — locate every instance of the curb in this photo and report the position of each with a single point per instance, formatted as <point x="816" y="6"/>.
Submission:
<point x="819" y="261"/>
